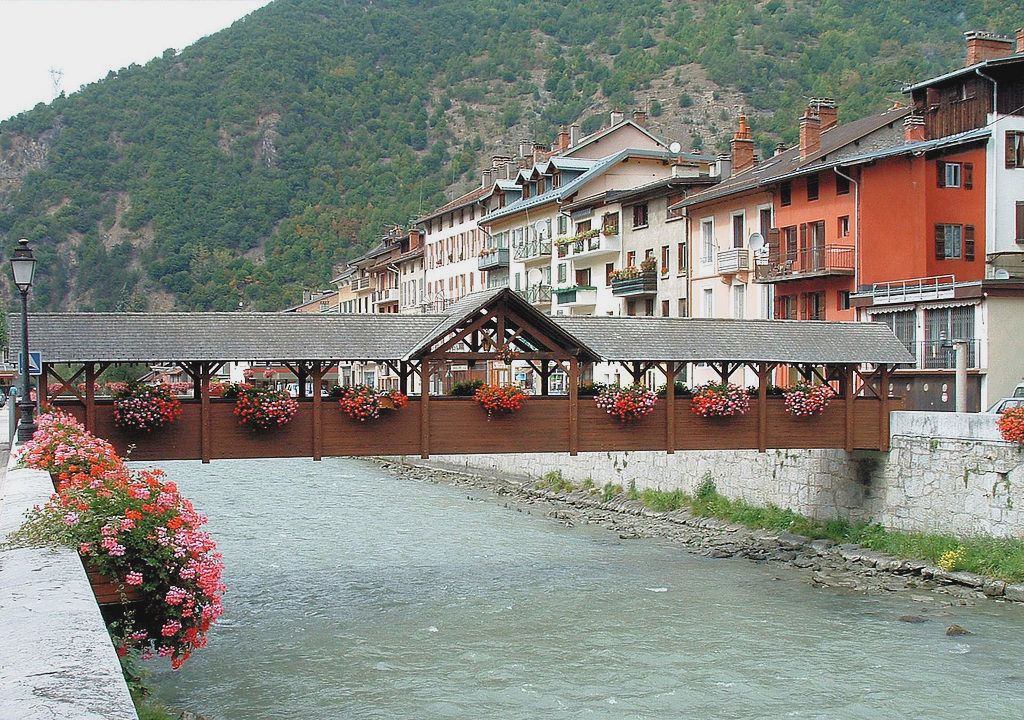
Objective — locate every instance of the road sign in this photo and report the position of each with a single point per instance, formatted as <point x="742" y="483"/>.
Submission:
<point x="35" y="363"/>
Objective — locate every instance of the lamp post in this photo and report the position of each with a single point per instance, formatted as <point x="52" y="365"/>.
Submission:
<point x="23" y="264"/>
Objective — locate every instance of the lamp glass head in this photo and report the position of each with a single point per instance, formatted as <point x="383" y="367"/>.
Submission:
<point x="23" y="263"/>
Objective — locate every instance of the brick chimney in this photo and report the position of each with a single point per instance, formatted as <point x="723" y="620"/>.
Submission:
<point x="616" y="117"/>
<point x="913" y="128"/>
<point x="640" y="117"/>
<point x="1020" y="41"/>
<point x="810" y="135"/>
<point x="780" y="147"/>
<point x="563" y="139"/>
<point x="826" y="110"/>
<point x="983" y="46"/>
<point x="742" y="147"/>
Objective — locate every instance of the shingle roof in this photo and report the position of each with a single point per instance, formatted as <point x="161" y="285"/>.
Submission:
<point x="149" y="337"/>
<point x="455" y="204"/>
<point x="699" y="340"/>
<point x="789" y="162"/>
<point x="968" y="70"/>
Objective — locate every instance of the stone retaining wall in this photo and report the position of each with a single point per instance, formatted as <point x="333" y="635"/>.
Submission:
<point x="56" y="659"/>
<point x="946" y="474"/>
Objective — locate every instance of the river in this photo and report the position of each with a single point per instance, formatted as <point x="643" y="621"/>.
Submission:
<point x="356" y="594"/>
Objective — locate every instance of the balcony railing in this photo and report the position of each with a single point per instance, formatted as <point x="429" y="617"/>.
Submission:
<point x="808" y="262"/>
<point x="936" y="287"/>
<point x="577" y="296"/>
<point x="493" y="258"/>
<point x="941" y="354"/>
<point x="537" y="294"/>
<point x="733" y="260"/>
<point x="387" y="295"/>
<point x="361" y="284"/>
<point x="533" y="250"/>
<point x="598" y="245"/>
<point x="645" y="283"/>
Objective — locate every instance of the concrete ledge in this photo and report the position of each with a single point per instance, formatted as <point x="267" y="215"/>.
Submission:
<point x="56" y="658"/>
<point x="945" y="425"/>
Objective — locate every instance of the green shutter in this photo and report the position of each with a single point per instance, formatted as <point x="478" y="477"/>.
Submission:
<point x="968" y="176"/>
<point x="940" y="174"/>
<point x="968" y="242"/>
<point x="940" y="243"/>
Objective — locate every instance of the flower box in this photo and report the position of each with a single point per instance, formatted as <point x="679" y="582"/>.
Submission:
<point x="107" y="591"/>
<point x="500" y="399"/>
<point x="627" y="403"/>
<point x="364" y="403"/>
<point x="720" y="400"/>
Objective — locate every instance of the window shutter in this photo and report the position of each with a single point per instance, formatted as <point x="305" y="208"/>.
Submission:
<point x="803" y="236"/>
<point x="940" y="174"/>
<point x="1011" y="154"/>
<point x="940" y="243"/>
<point x="968" y="176"/>
<point x="1020" y="221"/>
<point x="968" y="242"/>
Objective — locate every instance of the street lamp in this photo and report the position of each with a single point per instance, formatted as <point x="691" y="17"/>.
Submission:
<point x="23" y="263"/>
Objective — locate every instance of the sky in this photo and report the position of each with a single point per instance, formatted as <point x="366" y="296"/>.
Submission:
<point x="88" y="38"/>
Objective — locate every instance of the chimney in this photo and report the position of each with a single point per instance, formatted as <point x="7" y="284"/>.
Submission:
<point x="913" y="128"/>
<point x="742" y="147"/>
<point x="1020" y="41"/>
<point x="983" y="46"/>
<point x="574" y="134"/>
<point x="810" y="135"/>
<point x="826" y="110"/>
<point x="780" y="147"/>
<point x="540" y="152"/>
<point x="525" y="148"/>
<point x="485" y="179"/>
<point x="563" y="139"/>
<point x="640" y="117"/>
<point x="724" y="166"/>
<point x="511" y="170"/>
<point x="617" y="117"/>
<point x="498" y="162"/>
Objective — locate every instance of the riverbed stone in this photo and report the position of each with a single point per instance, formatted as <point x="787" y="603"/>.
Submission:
<point x="955" y="630"/>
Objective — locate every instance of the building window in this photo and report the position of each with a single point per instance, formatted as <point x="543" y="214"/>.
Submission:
<point x="738" y="225"/>
<point x="844" y="226"/>
<point x="707" y="241"/>
<point x="812" y="187"/>
<point x="681" y="302"/>
<point x="631" y="308"/>
<point x="708" y="305"/>
<point x="665" y="260"/>
<point x="563" y="224"/>
<point x="649" y="307"/>
<point x="561" y="272"/>
<point x="786" y="193"/>
<point x="664" y="308"/>
<point x="904" y="326"/>
<point x="1014" y="149"/>
<point x="640" y="215"/>
<point x="843" y="300"/>
<point x="631" y="258"/>
<point x="789" y="238"/>
<point x="765" y="222"/>
<point x="1020" y="221"/>
<point x="609" y="268"/>
<point x="941" y="327"/>
<point x="813" y="306"/>
<point x="739" y="301"/>
<point x="785" y="307"/>
<point x="954" y="241"/>
<point x="681" y="248"/>
<point x="556" y="180"/>
<point x="842" y="185"/>
<point x="950" y="174"/>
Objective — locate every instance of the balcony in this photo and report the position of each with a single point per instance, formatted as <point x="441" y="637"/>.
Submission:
<point x="577" y="296"/>
<point x="382" y="297"/>
<point x="537" y="294"/>
<point x="361" y="285"/>
<point x="594" y="247"/>
<point x="732" y="261"/>
<point x="533" y="251"/>
<point x="640" y="284"/>
<point x="492" y="258"/>
<point x="808" y="262"/>
<point x="936" y="287"/>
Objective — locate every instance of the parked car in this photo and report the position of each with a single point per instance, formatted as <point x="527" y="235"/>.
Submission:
<point x="1003" y="404"/>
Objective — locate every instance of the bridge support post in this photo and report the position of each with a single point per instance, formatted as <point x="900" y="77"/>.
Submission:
<point x="762" y="407"/>
<point x="670" y="407"/>
<point x="574" y="405"/>
<point x="90" y="397"/>
<point x="545" y="374"/>
<point x="424" y="408"/>
<point x="205" y="433"/>
<point x="317" y="373"/>
<point x="403" y="377"/>
<point x="850" y="392"/>
<point x="883" y="408"/>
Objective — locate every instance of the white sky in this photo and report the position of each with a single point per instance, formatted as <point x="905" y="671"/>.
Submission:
<point x="88" y="38"/>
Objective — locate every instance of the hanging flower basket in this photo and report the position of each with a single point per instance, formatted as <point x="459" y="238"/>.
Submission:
<point x="364" y="403"/>
<point x="263" y="408"/>
<point x="145" y="408"/>
<point x="713" y="400"/>
<point x="1011" y="425"/>
<point x="805" y="400"/>
<point x="140" y="540"/>
<point x="500" y="399"/>
<point x="627" y="403"/>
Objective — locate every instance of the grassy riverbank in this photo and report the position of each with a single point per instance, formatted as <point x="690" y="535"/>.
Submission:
<point x="995" y="557"/>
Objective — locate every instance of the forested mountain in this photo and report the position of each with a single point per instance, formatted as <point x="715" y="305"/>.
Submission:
<point x="243" y="167"/>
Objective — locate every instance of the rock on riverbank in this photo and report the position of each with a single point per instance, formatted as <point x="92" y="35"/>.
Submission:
<point x="823" y="562"/>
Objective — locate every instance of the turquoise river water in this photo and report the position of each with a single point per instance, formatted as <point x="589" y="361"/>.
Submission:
<point x="355" y="594"/>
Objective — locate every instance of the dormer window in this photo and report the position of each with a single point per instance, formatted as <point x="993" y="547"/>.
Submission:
<point x="540" y="186"/>
<point x="556" y="180"/>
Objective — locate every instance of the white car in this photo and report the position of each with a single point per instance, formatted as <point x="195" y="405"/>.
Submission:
<point x="1005" y="403"/>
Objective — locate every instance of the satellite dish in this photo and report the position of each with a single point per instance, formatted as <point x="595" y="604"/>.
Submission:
<point x="756" y="241"/>
<point x="675" y="147"/>
<point x="1001" y="274"/>
<point x="541" y="228"/>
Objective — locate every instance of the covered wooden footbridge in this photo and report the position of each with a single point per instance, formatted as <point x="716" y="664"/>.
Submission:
<point x="498" y="325"/>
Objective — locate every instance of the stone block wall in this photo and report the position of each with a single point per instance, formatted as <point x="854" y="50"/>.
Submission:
<point x="948" y="474"/>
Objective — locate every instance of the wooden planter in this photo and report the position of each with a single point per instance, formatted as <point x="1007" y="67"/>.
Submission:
<point x="106" y="590"/>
